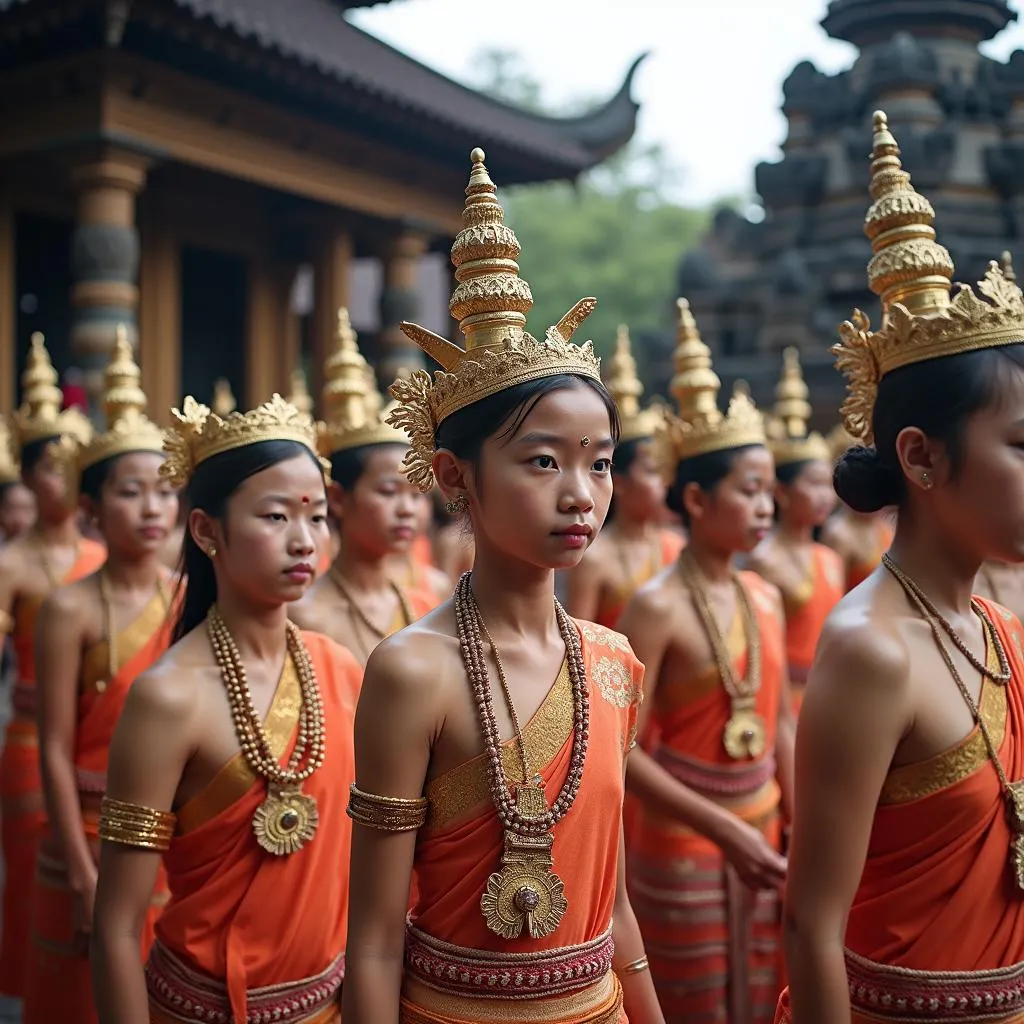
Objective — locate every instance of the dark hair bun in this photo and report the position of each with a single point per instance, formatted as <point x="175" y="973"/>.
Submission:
<point x="865" y="482"/>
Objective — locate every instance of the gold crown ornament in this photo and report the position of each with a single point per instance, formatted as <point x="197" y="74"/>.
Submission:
<point x="490" y="302"/>
<point x="10" y="469"/>
<point x="912" y="274"/>
<point x="787" y="429"/>
<point x="699" y="427"/>
<point x="299" y="395"/>
<point x="197" y="434"/>
<point x="223" y="401"/>
<point x="353" y="406"/>
<point x="624" y="386"/>
<point x="128" y="427"/>
<point x="40" y="416"/>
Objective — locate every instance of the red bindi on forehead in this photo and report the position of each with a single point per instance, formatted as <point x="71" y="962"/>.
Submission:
<point x="305" y="499"/>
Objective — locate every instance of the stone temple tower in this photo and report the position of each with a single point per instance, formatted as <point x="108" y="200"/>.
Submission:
<point x="756" y="288"/>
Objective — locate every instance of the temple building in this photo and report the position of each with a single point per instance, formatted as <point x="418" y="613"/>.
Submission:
<point x="756" y="288"/>
<point x="222" y="175"/>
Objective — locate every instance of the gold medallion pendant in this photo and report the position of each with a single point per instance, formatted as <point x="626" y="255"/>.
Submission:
<point x="285" y="821"/>
<point x="744" y="734"/>
<point x="525" y="893"/>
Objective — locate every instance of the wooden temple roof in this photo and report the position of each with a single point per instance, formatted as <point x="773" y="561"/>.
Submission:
<point x="303" y="54"/>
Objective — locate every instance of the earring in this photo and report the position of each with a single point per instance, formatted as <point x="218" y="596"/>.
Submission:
<point x="457" y="505"/>
<point x="926" y="480"/>
<point x="212" y="553"/>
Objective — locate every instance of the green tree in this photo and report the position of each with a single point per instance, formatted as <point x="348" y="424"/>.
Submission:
<point x="613" y="234"/>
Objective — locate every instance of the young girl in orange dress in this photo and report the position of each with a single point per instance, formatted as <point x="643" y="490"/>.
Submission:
<point x="809" y="575"/>
<point x="357" y="601"/>
<point x="492" y="734"/>
<point x="704" y="862"/>
<point x="93" y="638"/>
<point x="905" y="896"/>
<point x="633" y="546"/>
<point x="50" y="554"/>
<point x="233" y="755"/>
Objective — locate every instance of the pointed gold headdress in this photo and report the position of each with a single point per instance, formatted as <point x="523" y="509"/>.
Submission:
<point x="299" y="395"/>
<point x="197" y="434"/>
<point x="490" y="302"/>
<point x="700" y="427"/>
<point x="40" y="416"/>
<point x="624" y="386"/>
<point x="787" y="430"/>
<point x="352" y="404"/>
<point x="911" y="273"/>
<point x="223" y="402"/>
<point x="10" y="470"/>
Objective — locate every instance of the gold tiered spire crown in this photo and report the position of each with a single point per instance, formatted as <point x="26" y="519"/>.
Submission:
<point x="124" y="402"/>
<point x="490" y="302"/>
<point x="699" y="426"/>
<point x="912" y="274"/>
<point x="40" y="416"/>
<point x="352" y="405"/>
<point x="10" y="470"/>
<point x="197" y="434"/>
<point x="625" y="387"/>
<point x="787" y="430"/>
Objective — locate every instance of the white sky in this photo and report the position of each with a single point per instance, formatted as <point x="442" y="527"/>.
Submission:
<point x="710" y="92"/>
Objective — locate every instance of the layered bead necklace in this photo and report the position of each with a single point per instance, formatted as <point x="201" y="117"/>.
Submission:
<point x="287" y="819"/>
<point x="525" y="892"/>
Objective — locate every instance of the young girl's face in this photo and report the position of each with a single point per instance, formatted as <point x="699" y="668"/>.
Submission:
<point x="137" y="507"/>
<point x="809" y="500"/>
<point x="542" y="494"/>
<point x="736" y="514"/>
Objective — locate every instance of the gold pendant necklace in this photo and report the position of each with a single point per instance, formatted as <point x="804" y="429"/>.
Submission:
<point x="287" y="819"/>
<point x="745" y="734"/>
<point x="525" y="893"/>
<point x="1013" y="792"/>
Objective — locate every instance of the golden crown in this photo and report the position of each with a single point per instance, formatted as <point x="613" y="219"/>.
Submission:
<point x="299" y="395"/>
<point x="490" y="302"/>
<point x="40" y="415"/>
<point x="10" y="470"/>
<point x="197" y="434"/>
<point x="912" y="274"/>
<point x="625" y="387"/>
<point x="787" y="428"/>
<point x="352" y="404"/>
<point x="124" y="402"/>
<point x="223" y="401"/>
<point x="700" y="427"/>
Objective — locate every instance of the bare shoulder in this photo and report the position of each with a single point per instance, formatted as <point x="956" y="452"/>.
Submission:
<point x="659" y="597"/>
<point x="72" y="602"/>
<point x="765" y="594"/>
<point x="170" y="690"/>
<point x="836" y="533"/>
<point x="439" y="582"/>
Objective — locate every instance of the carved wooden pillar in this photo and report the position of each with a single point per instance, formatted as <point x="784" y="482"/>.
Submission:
<point x="104" y="254"/>
<point x="331" y="283"/>
<point x="399" y="300"/>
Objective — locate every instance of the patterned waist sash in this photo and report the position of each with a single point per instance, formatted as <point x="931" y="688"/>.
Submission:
<point x="718" y="780"/>
<point x="180" y="993"/>
<point x="899" y="994"/>
<point x="475" y="973"/>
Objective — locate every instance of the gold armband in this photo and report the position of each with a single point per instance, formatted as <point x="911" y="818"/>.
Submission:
<point x="135" y="825"/>
<point x="387" y="813"/>
<point x="633" y="967"/>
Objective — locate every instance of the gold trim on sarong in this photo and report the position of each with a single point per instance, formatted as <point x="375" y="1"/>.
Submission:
<point x="234" y="780"/>
<point x="130" y="640"/>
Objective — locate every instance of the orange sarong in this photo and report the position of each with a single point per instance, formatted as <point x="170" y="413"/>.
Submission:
<point x="58" y="986"/>
<point x="858" y="570"/>
<point x="937" y="916"/>
<point x="22" y="811"/>
<point x="244" y="930"/>
<point x="714" y="946"/>
<point x="613" y="602"/>
<point x="806" y="612"/>
<point x="457" y="970"/>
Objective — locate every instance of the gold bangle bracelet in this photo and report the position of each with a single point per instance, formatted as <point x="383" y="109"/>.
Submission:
<point x="134" y="825"/>
<point x="386" y="813"/>
<point x="633" y="967"/>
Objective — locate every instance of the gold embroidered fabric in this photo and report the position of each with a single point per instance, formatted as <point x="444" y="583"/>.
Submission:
<point x="234" y="780"/>
<point x="912" y="781"/>
<point x="460" y="789"/>
<point x="130" y="640"/>
<point x="596" y="634"/>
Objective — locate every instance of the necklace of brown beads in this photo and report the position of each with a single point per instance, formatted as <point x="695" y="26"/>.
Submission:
<point x="287" y="819"/>
<point x="525" y="893"/>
